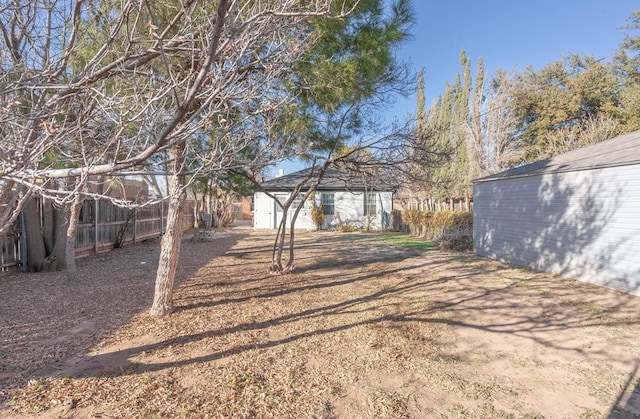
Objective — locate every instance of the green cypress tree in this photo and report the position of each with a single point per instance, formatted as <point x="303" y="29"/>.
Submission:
<point x="477" y="165"/>
<point x="460" y="163"/>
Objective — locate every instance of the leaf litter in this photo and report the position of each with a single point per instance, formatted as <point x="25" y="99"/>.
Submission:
<point x="359" y="330"/>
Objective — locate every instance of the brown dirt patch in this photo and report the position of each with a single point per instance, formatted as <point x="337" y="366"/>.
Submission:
<point x="358" y="331"/>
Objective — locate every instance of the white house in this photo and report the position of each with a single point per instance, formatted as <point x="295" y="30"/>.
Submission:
<point x="346" y="199"/>
<point x="576" y="214"/>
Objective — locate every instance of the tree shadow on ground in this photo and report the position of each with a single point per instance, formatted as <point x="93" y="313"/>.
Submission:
<point x="628" y="400"/>
<point x="579" y="224"/>
<point x="391" y="293"/>
<point x="241" y="309"/>
<point x="47" y="320"/>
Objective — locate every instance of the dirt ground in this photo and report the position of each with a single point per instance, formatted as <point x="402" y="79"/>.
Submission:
<point x="360" y="330"/>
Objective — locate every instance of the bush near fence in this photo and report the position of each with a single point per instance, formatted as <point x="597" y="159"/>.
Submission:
<point x="453" y="230"/>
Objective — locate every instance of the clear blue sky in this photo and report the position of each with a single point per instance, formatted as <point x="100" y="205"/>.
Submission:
<point x="507" y="34"/>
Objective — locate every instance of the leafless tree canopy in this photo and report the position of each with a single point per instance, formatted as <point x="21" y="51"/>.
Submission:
<point x="93" y="87"/>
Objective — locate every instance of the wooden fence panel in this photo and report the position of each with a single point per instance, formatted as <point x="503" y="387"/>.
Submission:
<point x="148" y="228"/>
<point x="11" y="254"/>
<point x="435" y="204"/>
<point x="85" y="236"/>
<point x="103" y="225"/>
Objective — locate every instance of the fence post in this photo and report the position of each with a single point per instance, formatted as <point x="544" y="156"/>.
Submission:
<point x="161" y="217"/>
<point x="135" y="223"/>
<point x="23" y="243"/>
<point x="96" y="233"/>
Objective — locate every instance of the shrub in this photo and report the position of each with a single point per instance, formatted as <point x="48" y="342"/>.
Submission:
<point x="368" y="222"/>
<point x="345" y="226"/>
<point x="410" y="217"/>
<point x="416" y="219"/>
<point x="452" y="229"/>
<point x="396" y="220"/>
<point x="457" y="240"/>
<point x="317" y="215"/>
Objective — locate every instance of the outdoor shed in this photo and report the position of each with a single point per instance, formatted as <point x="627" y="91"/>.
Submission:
<point x="576" y="214"/>
<point x="345" y="198"/>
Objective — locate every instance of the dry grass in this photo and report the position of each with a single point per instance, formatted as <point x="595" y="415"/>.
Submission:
<point x="360" y="330"/>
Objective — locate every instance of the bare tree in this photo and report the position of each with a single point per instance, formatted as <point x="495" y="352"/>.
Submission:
<point x="91" y="88"/>
<point x="592" y="130"/>
<point x="501" y="147"/>
<point x="380" y="160"/>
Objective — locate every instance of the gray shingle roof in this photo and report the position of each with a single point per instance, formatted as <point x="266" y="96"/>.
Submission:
<point x="333" y="180"/>
<point x="619" y="151"/>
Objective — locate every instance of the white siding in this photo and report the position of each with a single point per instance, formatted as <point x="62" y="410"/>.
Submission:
<point x="583" y="224"/>
<point x="264" y="214"/>
<point x="349" y="205"/>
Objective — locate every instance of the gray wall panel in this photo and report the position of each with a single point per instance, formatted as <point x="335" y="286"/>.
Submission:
<point x="584" y="225"/>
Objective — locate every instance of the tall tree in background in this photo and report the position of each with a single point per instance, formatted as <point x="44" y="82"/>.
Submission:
<point x="494" y="143"/>
<point x="460" y="133"/>
<point x="516" y="118"/>
<point x="421" y="113"/>
<point x="476" y="145"/>
<point x="627" y="64"/>
<point x="575" y="97"/>
<point x="439" y="121"/>
<point x="446" y="137"/>
<point x="346" y="80"/>
<point x="502" y="147"/>
<point x="419" y="175"/>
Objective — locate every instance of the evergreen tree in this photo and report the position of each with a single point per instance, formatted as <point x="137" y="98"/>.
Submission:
<point x="459" y="139"/>
<point x="448" y="136"/>
<point x="476" y="143"/>
<point x="563" y="99"/>
<point x="441" y="121"/>
<point x="627" y="64"/>
<point x="421" y="114"/>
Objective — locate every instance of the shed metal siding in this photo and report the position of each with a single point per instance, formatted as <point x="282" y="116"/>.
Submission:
<point x="583" y="224"/>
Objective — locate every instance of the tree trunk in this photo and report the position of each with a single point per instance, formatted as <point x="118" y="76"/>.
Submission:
<point x="276" y="260"/>
<point x="170" y="243"/>
<point x="36" y="251"/>
<point x="70" y="242"/>
<point x="56" y="260"/>
<point x="49" y="226"/>
<point x="289" y="267"/>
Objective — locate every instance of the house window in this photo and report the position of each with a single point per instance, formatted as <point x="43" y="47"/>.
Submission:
<point x="282" y="199"/>
<point x="297" y="201"/>
<point x="370" y="204"/>
<point x="327" y="200"/>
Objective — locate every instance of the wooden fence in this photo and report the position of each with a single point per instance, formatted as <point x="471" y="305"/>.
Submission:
<point x="426" y="204"/>
<point x="11" y="248"/>
<point x="102" y="227"/>
<point x="435" y="204"/>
